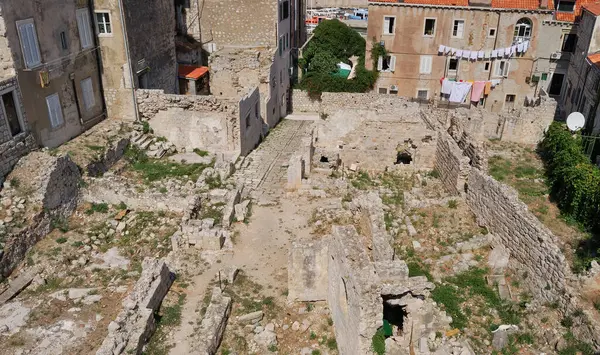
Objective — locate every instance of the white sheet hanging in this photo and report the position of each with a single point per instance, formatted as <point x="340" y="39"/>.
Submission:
<point x="520" y="47"/>
<point x="459" y="92"/>
<point x="525" y="46"/>
<point x="441" y="49"/>
<point x="507" y="51"/>
<point x="473" y="55"/>
<point x="447" y="86"/>
<point x="466" y="54"/>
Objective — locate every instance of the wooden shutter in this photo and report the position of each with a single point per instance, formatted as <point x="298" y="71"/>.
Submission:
<point x="29" y="44"/>
<point x="380" y="63"/>
<point x="85" y="32"/>
<point x="392" y="63"/>
<point x="88" y="93"/>
<point x="386" y="25"/>
<point x="54" y="110"/>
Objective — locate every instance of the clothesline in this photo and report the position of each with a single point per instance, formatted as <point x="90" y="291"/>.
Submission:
<point x="485" y="54"/>
<point x="458" y="90"/>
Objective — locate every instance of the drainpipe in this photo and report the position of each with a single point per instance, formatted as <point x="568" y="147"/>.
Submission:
<point x="126" y="42"/>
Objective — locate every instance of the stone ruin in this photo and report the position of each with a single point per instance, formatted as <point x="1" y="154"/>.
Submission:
<point x="363" y="281"/>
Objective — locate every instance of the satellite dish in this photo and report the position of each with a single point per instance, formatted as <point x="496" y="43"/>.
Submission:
<point x="575" y="121"/>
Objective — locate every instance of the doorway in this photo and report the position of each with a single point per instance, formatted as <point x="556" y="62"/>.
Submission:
<point x="11" y="112"/>
<point x="556" y="84"/>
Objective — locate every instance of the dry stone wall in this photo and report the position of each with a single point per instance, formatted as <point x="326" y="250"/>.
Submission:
<point x="452" y="166"/>
<point x="134" y="325"/>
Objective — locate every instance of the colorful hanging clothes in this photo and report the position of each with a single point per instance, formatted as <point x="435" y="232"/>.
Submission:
<point x="488" y="88"/>
<point x="477" y="91"/>
<point x="447" y="86"/>
<point x="459" y="92"/>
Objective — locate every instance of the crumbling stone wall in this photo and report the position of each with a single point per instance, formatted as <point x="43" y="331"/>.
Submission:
<point x="55" y="185"/>
<point x="7" y="65"/>
<point x="134" y="325"/>
<point x="452" y="166"/>
<point x="353" y="296"/>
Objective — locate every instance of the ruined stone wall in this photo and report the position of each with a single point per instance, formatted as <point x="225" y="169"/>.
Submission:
<point x="134" y="325"/>
<point x="251" y="126"/>
<point x="531" y="245"/>
<point x="239" y="23"/>
<point x="55" y="185"/>
<point x="307" y="271"/>
<point x="529" y="125"/>
<point x="452" y="166"/>
<point x="353" y="295"/>
<point x="7" y="65"/>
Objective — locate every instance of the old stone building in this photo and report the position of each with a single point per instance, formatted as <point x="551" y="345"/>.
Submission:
<point x="50" y="48"/>
<point x="460" y="40"/>
<point x="583" y="79"/>
<point x="137" y="45"/>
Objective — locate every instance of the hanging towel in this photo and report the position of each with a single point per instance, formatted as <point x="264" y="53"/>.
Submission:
<point x="500" y="52"/>
<point x="448" y="50"/>
<point x="453" y="51"/>
<point x="480" y="54"/>
<point x="459" y="53"/>
<point x="513" y="50"/>
<point x="494" y="53"/>
<point x="487" y="54"/>
<point x="525" y="46"/>
<point x="466" y="54"/>
<point x="441" y="49"/>
<point x="477" y="90"/>
<point x="507" y="51"/>
<point x="459" y="92"/>
<point x="488" y="88"/>
<point x="473" y="55"/>
<point x="520" y="47"/>
<point x="447" y="86"/>
<point x="496" y="82"/>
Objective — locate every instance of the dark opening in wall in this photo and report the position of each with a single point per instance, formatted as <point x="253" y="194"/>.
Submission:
<point x="324" y="159"/>
<point x="403" y="157"/>
<point x="394" y="313"/>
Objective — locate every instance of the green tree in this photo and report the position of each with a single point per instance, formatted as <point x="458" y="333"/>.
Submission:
<point x="323" y="62"/>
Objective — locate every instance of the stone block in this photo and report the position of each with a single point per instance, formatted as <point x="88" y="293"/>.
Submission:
<point x="307" y="271"/>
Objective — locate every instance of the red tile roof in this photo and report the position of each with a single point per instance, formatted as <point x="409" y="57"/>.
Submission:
<point x="565" y="16"/>
<point x="498" y="4"/>
<point x="192" y="72"/>
<point x="594" y="59"/>
<point x="593" y="8"/>
<point x="438" y="2"/>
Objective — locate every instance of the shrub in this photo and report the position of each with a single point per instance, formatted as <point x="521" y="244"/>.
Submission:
<point x="378" y="342"/>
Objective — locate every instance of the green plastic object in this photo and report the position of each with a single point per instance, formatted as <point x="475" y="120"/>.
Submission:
<point x="387" y="328"/>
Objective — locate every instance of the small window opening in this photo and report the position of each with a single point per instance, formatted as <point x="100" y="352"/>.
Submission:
<point x="394" y="316"/>
<point x="324" y="159"/>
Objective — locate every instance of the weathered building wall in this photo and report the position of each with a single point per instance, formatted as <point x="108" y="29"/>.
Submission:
<point x="408" y="44"/>
<point x="249" y="130"/>
<point x="332" y="102"/>
<point x="241" y="23"/>
<point x="66" y="68"/>
<point x="353" y="295"/>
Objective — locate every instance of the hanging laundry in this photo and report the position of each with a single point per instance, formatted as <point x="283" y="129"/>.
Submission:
<point x="513" y="50"/>
<point x="477" y="91"/>
<point x="494" y="53"/>
<point x="473" y="55"/>
<point x="496" y="82"/>
<point x="448" y="50"/>
<point x="525" y="46"/>
<point x="487" y="54"/>
<point x="447" y="86"/>
<point x="520" y="47"/>
<point x="459" y="53"/>
<point x="488" y="88"/>
<point x="453" y="51"/>
<point x="466" y="54"/>
<point x="507" y="51"/>
<point x="480" y="54"/>
<point x="441" y="49"/>
<point x="500" y="52"/>
<point x="459" y="92"/>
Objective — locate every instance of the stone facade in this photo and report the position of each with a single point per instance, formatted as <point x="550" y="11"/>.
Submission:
<point x="203" y="122"/>
<point x="64" y="62"/>
<point x="409" y="45"/>
<point x="134" y="325"/>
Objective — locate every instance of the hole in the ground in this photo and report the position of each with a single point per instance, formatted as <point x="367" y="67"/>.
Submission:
<point x="426" y="139"/>
<point x="394" y="315"/>
<point x="403" y="157"/>
<point x="324" y="159"/>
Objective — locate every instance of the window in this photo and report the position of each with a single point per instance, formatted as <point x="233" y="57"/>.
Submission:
<point x="103" y="23"/>
<point x="522" y="30"/>
<point x="63" y="40"/>
<point x="284" y="10"/>
<point x="429" y="30"/>
<point x="387" y="63"/>
<point x="486" y="66"/>
<point x="383" y="90"/>
<point x="569" y="43"/>
<point x="389" y="23"/>
<point x="8" y="102"/>
<point x="287" y="40"/>
<point x="458" y="29"/>
<point x="280" y="46"/>
<point x="425" y="67"/>
<point x="453" y="65"/>
<point x="29" y="43"/>
<point x="501" y="69"/>
<point x="54" y="110"/>
<point x="509" y="101"/>
<point x="492" y="33"/>
<point x="85" y="31"/>
<point x="257" y="110"/>
<point x="248" y="120"/>
<point x="565" y="6"/>
<point x="422" y="94"/>
<point x="87" y="91"/>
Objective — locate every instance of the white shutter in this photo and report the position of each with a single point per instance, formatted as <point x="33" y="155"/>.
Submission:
<point x="380" y="63"/>
<point x="425" y="67"/>
<point x="54" y="110"/>
<point x="29" y="44"/>
<point x="87" y="90"/>
<point x="83" y="24"/>
<point x="386" y="25"/>
<point x="392" y="63"/>
<point x="460" y="29"/>
<point x="506" y="66"/>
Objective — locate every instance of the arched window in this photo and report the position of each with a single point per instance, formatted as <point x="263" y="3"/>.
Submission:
<point x="522" y="31"/>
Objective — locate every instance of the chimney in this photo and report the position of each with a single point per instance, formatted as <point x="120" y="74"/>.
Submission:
<point x="543" y="4"/>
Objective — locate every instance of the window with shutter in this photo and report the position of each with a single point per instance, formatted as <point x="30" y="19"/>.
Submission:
<point x="54" y="110"/>
<point x="85" y="31"/>
<point x="87" y="90"/>
<point x="425" y="67"/>
<point x="458" y="28"/>
<point x="29" y="43"/>
<point x="389" y="25"/>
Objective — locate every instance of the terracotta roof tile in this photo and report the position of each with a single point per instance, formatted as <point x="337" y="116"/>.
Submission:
<point x="439" y="2"/>
<point x="191" y="72"/>
<point x="498" y="4"/>
<point x="565" y="16"/>
<point x="593" y="8"/>
<point x="594" y="59"/>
